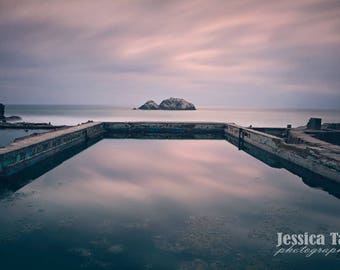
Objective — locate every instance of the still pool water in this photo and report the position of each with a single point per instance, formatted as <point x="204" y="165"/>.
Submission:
<point x="163" y="204"/>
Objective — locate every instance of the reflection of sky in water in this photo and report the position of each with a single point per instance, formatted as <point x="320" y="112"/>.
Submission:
<point x="139" y="204"/>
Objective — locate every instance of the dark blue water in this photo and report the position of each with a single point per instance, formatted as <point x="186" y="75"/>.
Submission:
<point x="151" y="204"/>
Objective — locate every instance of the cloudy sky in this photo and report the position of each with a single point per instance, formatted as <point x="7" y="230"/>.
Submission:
<point x="225" y="53"/>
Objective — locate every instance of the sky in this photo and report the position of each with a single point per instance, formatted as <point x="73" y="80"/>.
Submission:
<point x="221" y="53"/>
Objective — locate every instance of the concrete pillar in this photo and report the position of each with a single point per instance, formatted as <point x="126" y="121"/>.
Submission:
<point x="289" y="126"/>
<point x="314" y="123"/>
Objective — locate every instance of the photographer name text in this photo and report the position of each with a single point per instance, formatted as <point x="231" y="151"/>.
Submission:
<point x="308" y="244"/>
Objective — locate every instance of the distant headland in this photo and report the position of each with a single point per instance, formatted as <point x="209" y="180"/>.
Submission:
<point x="4" y="118"/>
<point x="168" y="104"/>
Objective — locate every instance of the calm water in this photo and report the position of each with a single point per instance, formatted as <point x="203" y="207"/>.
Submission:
<point x="170" y="204"/>
<point x="163" y="204"/>
<point x="75" y="114"/>
<point x="60" y="115"/>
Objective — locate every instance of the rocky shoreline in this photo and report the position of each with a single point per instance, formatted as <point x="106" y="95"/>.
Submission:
<point x="4" y="118"/>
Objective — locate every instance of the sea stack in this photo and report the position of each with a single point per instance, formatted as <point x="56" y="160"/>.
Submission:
<point x="168" y="104"/>
<point x="176" y="104"/>
<point x="3" y="118"/>
<point x="149" y="105"/>
<point x="2" y="111"/>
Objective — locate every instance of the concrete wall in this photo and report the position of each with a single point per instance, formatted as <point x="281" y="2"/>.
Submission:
<point x="164" y="127"/>
<point x="301" y="155"/>
<point x="278" y="132"/>
<point x="25" y="153"/>
<point x="22" y="154"/>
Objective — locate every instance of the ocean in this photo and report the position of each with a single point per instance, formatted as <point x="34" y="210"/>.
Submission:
<point x="163" y="204"/>
<point x="75" y="114"/>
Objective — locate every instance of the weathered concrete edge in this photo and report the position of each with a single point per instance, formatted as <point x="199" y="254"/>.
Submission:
<point x="25" y="153"/>
<point x="22" y="154"/>
<point x="46" y="136"/>
<point x="164" y="127"/>
<point x="293" y="153"/>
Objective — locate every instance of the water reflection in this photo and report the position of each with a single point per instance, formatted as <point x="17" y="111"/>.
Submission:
<point x="13" y="183"/>
<point x="171" y="204"/>
<point x="237" y="166"/>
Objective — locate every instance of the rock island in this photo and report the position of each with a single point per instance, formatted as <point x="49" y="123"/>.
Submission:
<point x="168" y="104"/>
